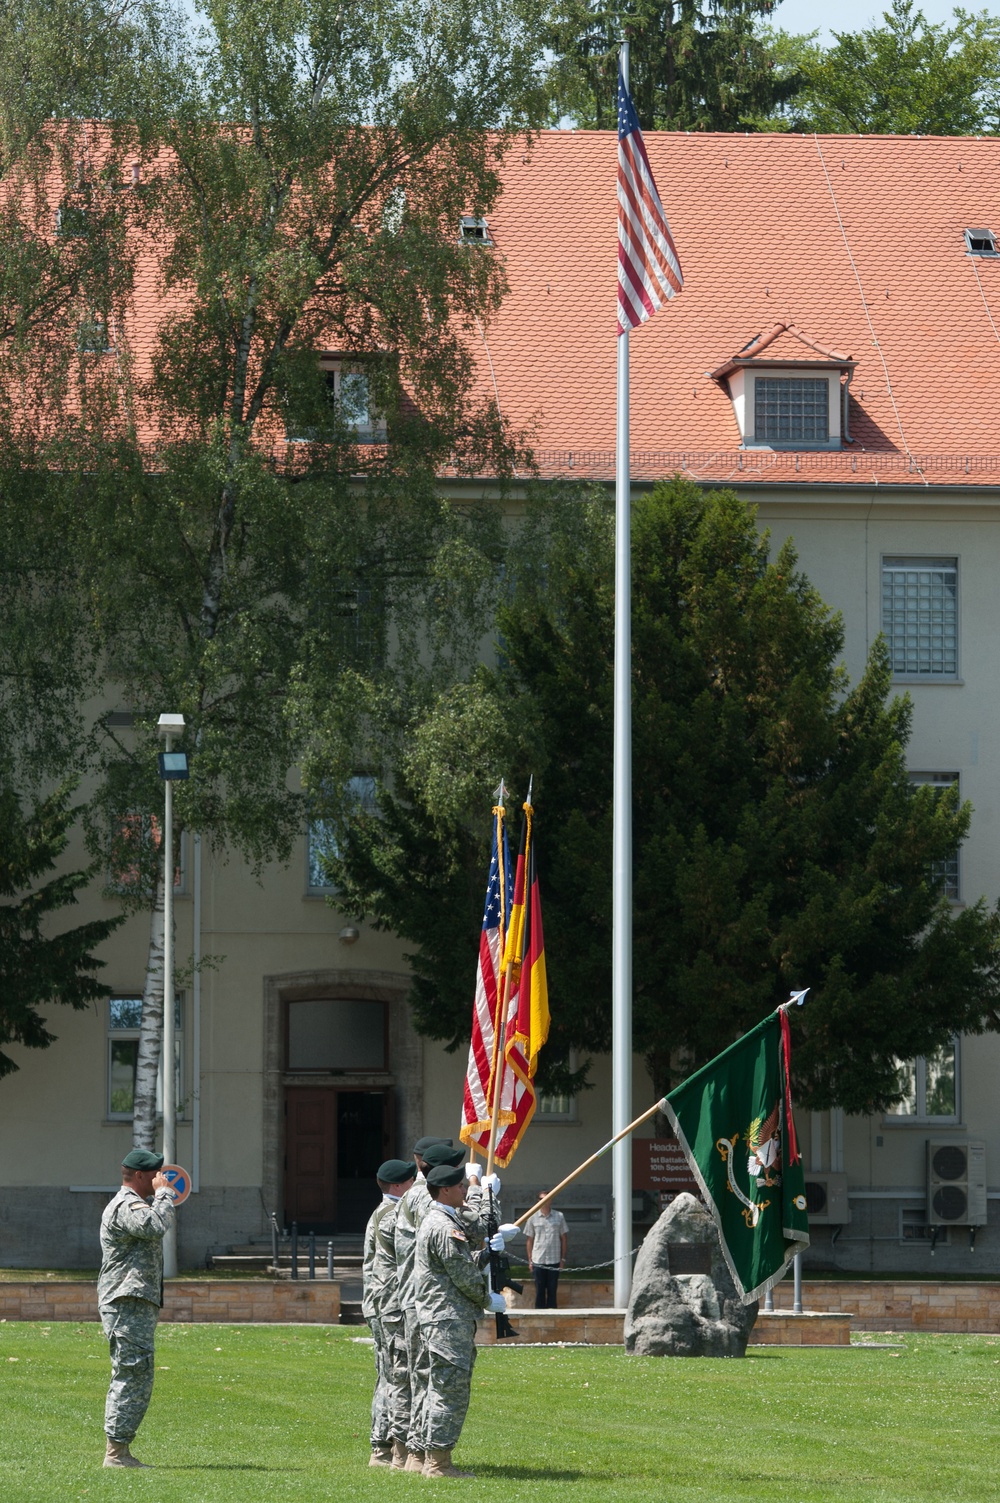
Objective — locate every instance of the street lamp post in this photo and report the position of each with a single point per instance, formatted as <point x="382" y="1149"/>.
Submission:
<point x="173" y="765"/>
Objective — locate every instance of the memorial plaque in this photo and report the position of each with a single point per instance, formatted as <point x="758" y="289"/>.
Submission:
<point x="689" y="1257"/>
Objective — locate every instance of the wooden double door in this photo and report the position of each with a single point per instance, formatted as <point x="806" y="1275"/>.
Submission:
<point x="335" y="1140"/>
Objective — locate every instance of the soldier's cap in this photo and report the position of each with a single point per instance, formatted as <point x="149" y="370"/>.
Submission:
<point x="445" y="1174"/>
<point x="141" y="1158"/>
<point x="443" y="1153"/>
<point x="422" y="1144"/>
<point x="395" y="1171"/>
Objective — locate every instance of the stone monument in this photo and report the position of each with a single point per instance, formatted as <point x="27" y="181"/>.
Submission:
<point x="684" y="1301"/>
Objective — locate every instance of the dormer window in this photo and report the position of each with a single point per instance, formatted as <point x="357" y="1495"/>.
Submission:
<point x="788" y="392"/>
<point x="472" y="231"/>
<point x="791" y="409"/>
<point x="980" y="242"/>
<point x="345" y="403"/>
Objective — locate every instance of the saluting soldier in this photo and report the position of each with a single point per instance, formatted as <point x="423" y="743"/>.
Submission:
<point x="451" y="1293"/>
<point x="474" y="1214"/>
<point x="130" y="1294"/>
<point x="381" y="1439"/>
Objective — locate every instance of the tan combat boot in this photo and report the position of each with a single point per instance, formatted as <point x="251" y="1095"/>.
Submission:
<point x="414" y="1461"/>
<point x="437" y="1464"/>
<point x="118" y="1454"/>
<point x="381" y="1456"/>
<point x="399" y="1456"/>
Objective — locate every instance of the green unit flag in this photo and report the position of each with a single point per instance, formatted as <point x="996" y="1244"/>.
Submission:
<point x="733" y="1119"/>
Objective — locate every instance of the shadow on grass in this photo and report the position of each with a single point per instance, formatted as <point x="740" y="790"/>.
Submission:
<point x="542" y="1473"/>
<point x="227" y="1466"/>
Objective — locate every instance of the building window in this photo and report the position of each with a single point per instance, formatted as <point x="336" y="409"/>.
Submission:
<point x="791" y="409"/>
<point x="336" y="1034"/>
<point x="124" y="1020"/>
<point x="920" y="615"/>
<point x="322" y="842"/>
<point x="948" y="870"/>
<point x="92" y="336"/>
<point x="344" y="402"/>
<point x="134" y="845"/>
<point x="559" y="1108"/>
<point x="930" y="1086"/>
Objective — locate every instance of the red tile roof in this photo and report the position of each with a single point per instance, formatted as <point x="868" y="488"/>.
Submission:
<point x="853" y="243"/>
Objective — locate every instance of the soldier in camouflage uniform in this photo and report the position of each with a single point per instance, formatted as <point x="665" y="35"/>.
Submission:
<point x="429" y="1153"/>
<point x="394" y="1178"/>
<point x="130" y="1294"/>
<point x="451" y="1292"/>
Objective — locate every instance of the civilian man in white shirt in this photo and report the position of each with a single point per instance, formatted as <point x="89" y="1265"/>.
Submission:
<point x="546" y="1234"/>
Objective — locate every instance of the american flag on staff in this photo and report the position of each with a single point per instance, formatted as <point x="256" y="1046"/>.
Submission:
<point x="485" y="1053"/>
<point x="648" y="268"/>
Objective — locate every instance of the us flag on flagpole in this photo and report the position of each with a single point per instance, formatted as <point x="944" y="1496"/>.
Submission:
<point x="648" y="268"/>
<point x="485" y="1052"/>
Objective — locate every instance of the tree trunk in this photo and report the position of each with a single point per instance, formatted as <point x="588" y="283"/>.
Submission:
<point x="151" y="1031"/>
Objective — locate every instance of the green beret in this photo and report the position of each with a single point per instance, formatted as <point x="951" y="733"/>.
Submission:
<point x="395" y="1171"/>
<point x="141" y="1158"/>
<point x="442" y="1154"/>
<point x="422" y="1144"/>
<point x="445" y="1174"/>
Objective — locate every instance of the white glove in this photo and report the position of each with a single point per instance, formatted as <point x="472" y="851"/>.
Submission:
<point x="497" y="1304"/>
<point x="492" y="1182"/>
<point x="473" y="1170"/>
<point x="510" y="1230"/>
<point x="497" y="1244"/>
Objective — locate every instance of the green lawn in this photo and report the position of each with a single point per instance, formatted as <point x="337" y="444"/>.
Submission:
<point x="265" y="1414"/>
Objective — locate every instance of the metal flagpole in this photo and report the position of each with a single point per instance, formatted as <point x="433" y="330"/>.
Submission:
<point x="621" y="984"/>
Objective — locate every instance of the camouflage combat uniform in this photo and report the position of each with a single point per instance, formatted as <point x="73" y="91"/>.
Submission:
<point x="380" y="1399"/>
<point x="451" y="1290"/>
<point x="129" y="1296"/>
<point x="412" y="1209"/>
<point x="390" y="1316"/>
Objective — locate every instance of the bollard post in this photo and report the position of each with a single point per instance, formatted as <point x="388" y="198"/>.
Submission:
<point x="329" y="1261"/>
<point x="769" y="1301"/>
<point x="312" y="1255"/>
<point x="797" y="1288"/>
<point x="295" y="1249"/>
<point x="275" y="1245"/>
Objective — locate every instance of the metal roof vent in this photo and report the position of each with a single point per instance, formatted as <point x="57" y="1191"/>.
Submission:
<point x="981" y="242"/>
<point x="473" y="231"/>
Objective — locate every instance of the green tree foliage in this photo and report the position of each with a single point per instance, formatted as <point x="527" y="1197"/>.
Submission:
<point x="693" y="66"/>
<point x="778" y="841"/>
<point x="302" y="169"/>
<point x="908" y="76"/>
<point x="40" y="966"/>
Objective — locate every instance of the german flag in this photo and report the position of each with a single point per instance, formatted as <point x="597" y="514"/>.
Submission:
<point x="528" y="1009"/>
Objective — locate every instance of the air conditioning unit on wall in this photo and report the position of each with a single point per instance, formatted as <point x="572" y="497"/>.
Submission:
<point x="826" y="1200"/>
<point x="956" y="1182"/>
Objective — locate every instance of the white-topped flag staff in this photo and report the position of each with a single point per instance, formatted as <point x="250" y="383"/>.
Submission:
<point x="648" y="273"/>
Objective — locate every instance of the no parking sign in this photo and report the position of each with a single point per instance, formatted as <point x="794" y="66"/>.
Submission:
<point x="179" y="1181"/>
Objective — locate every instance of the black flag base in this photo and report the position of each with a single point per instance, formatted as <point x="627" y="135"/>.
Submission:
<point x="505" y="1331"/>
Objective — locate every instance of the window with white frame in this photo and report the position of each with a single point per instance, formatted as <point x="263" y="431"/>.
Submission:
<point x="920" y="615"/>
<point x="930" y="1086"/>
<point x="947" y="870"/>
<point x="124" y="1022"/>
<point x="558" y="1108"/>
<point x="322" y="841"/>
<point x="791" y="409"/>
<point x="344" y="403"/>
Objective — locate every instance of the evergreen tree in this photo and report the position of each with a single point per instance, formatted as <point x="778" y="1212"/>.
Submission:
<point x="39" y="966"/>
<point x="693" y="64"/>
<point x="778" y="841"/>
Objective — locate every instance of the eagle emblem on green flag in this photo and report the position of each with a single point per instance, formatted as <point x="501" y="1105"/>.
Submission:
<point x="733" y="1119"/>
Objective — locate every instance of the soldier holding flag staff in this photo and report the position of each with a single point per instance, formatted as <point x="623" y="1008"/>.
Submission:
<point x="451" y="1292"/>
